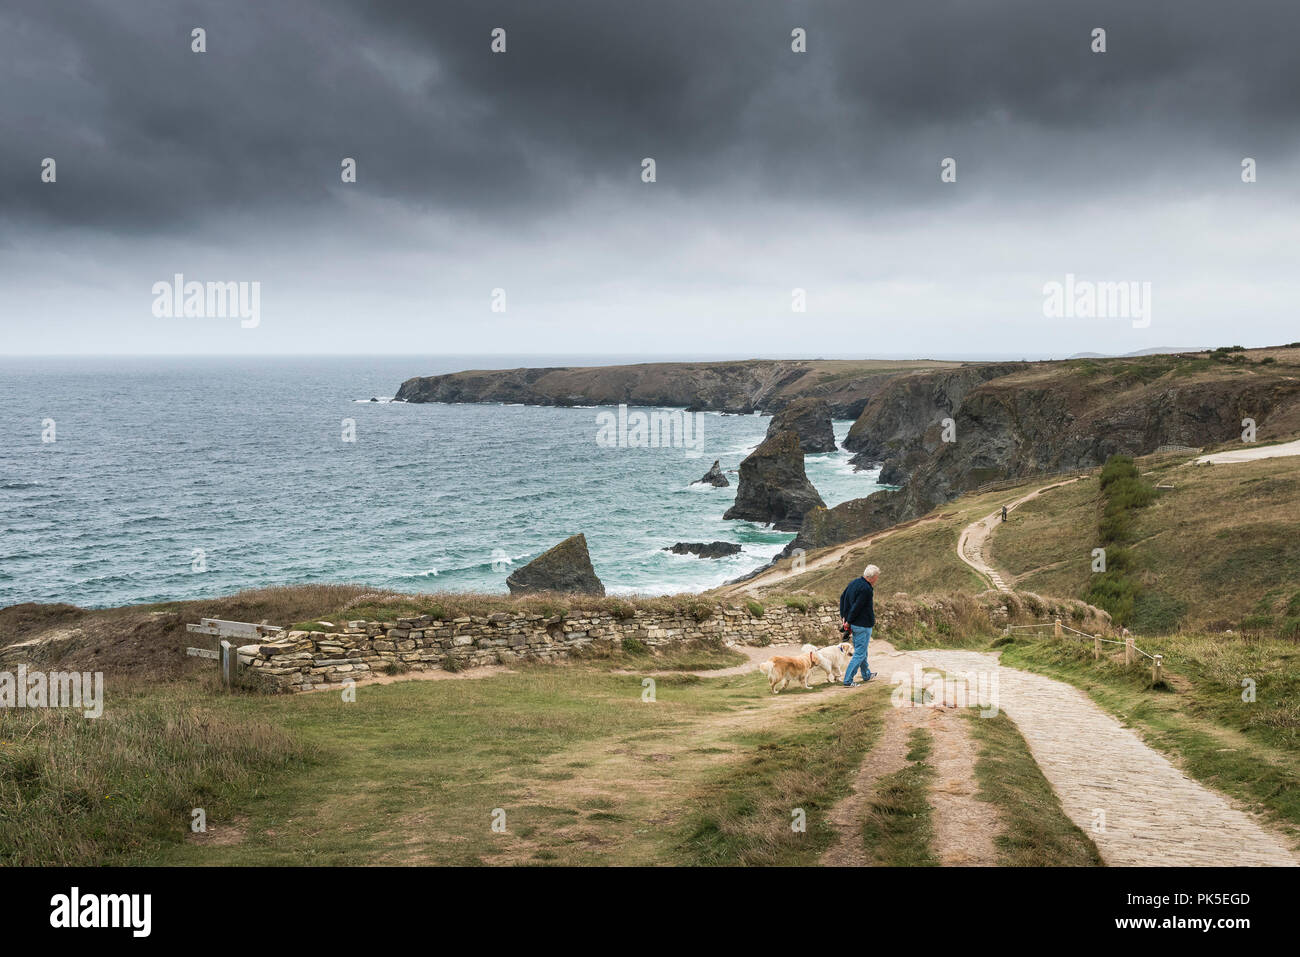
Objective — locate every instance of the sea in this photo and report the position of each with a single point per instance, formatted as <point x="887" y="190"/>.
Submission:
<point x="145" y="479"/>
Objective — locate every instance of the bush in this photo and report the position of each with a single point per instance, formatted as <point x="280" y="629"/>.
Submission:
<point x="755" y="608"/>
<point x="635" y="647"/>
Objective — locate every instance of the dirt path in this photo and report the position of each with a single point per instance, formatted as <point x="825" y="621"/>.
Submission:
<point x="964" y="825"/>
<point x="972" y="545"/>
<point x="831" y="557"/>
<point x="1138" y="808"/>
<point x="1250" y="455"/>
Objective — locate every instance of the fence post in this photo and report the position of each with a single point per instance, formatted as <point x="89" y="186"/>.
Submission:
<point x="229" y="661"/>
<point x="1157" y="668"/>
<point x="1096" y="647"/>
<point x="1057" y="630"/>
<point x="1128" y="650"/>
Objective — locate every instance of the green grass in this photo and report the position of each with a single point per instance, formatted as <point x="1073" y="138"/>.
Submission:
<point x="898" y="831"/>
<point x="103" y="791"/>
<point x="1035" y="830"/>
<point x="412" y="772"/>
<point x="744" y="814"/>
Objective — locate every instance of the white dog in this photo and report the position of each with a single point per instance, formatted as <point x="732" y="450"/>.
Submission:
<point x="833" y="659"/>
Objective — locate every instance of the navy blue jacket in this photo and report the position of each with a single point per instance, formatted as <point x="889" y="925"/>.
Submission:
<point x="857" y="604"/>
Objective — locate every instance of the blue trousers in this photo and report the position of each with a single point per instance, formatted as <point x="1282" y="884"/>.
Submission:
<point x="861" y="638"/>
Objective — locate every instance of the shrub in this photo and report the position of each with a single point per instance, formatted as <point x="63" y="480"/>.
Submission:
<point x="635" y="647"/>
<point x="755" y="608"/>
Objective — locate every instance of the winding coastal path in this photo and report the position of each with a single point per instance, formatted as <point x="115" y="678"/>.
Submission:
<point x="1138" y="808"/>
<point x="1250" y="455"/>
<point x="972" y="545"/>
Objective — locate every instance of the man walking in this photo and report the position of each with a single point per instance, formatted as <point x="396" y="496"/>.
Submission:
<point x="858" y="612"/>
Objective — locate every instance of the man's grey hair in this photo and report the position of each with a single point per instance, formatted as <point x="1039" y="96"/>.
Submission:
<point x="871" y="571"/>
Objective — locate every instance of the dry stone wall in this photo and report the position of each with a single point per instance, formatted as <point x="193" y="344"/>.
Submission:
<point x="304" y="660"/>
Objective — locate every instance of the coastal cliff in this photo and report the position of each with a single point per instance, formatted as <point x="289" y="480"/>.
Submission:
<point x="1015" y="420"/>
<point x="742" y="387"/>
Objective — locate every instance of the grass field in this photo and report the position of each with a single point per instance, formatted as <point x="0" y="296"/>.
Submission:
<point x="582" y="768"/>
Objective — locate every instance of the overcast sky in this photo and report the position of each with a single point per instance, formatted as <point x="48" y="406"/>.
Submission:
<point x="522" y="171"/>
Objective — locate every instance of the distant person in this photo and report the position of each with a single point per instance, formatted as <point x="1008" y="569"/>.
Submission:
<point x="1004" y="513"/>
<point x="858" y="615"/>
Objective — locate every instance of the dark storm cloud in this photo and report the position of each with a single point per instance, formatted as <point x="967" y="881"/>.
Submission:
<point x="151" y="137"/>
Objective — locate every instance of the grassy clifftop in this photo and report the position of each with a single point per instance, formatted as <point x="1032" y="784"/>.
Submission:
<point x="1218" y="548"/>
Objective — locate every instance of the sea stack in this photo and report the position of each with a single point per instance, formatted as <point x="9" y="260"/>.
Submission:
<point x="564" y="568"/>
<point x="773" y="486"/>
<point x="810" y="419"/>
<point x="713" y="477"/>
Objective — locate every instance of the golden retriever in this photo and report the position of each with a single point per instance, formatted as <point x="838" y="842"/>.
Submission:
<point x="781" y="668"/>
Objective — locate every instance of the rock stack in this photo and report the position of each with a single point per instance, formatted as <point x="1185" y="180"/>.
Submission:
<point x="564" y="568"/>
<point x="773" y="486"/>
<point x="810" y="419"/>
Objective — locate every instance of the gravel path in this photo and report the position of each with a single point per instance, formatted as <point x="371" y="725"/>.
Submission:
<point x="1136" y="805"/>
<point x="1250" y="455"/>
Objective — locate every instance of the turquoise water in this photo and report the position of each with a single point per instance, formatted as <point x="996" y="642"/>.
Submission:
<point x="173" y="478"/>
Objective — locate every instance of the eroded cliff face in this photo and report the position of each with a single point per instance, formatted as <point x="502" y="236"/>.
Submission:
<point x="906" y="406"/>
<point x="1042" y="418"/>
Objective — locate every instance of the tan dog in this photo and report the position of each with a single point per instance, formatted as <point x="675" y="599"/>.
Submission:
<point x="781" y="668"/>
<point x="833" y="659"/>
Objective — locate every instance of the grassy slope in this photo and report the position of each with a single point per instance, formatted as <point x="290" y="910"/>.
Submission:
<point x="1221" y="549"/>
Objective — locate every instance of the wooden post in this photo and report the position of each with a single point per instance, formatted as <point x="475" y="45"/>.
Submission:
<point x="229" y="662"/>
<point x="1157" y="669"/>
<point x="1057" y="630"/>
<point x="1128" y="650"/>
<point x="1096" y="647"/>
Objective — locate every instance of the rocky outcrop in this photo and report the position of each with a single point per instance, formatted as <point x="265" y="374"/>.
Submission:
<point x="713" y="477"/>
<point x="739" y="387"/>
<point x="907" y="406"/>
<point x="773" y="486"/>
<point x="564" y="568"/>
<point x="705" y="549"/>
<point x="1044" y="418"/>
<point x="810" y="419"/>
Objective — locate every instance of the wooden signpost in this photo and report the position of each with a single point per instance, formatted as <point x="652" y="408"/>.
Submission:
<point x="226" y="652"/>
